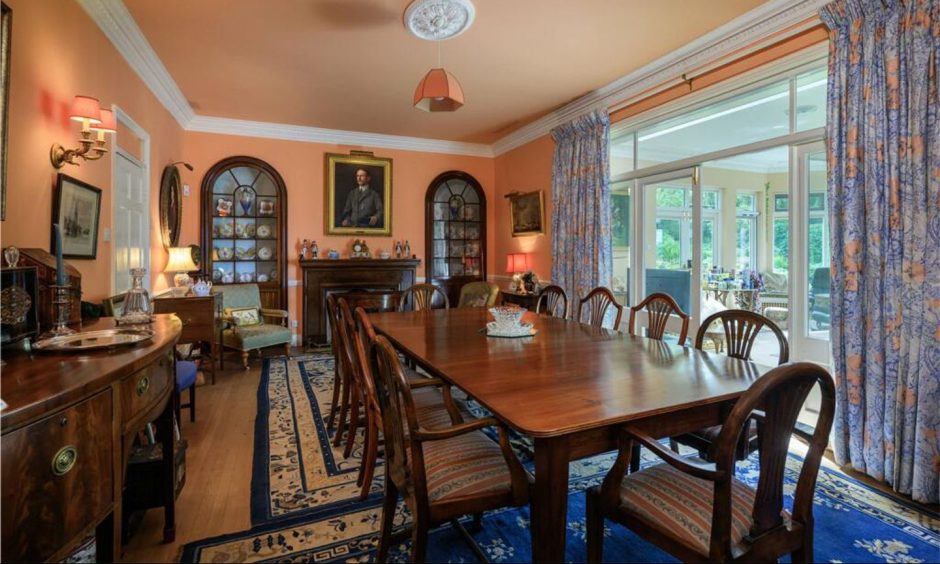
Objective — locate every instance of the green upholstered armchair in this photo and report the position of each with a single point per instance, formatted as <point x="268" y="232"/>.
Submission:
<point x="271" y="331"/>
<point x="478" y="294"/>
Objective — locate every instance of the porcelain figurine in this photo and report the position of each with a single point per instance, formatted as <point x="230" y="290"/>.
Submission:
<point x="202" y="288"/>
<point x="314" y="251"/>
<point x="223" y="207"/>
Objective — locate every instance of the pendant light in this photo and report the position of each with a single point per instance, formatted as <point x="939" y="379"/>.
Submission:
<point x="435" y="20"/>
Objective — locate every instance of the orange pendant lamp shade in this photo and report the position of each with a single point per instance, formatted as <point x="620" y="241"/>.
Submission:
<point x="438" y="91"/>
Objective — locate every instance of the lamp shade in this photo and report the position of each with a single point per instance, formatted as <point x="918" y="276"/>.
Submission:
<point x="517" y="262"/>
<point x="438" y="91"/>
<point x="181" y="260"/>
<point x="86" y="107"/>
<point x="108" y="123"/>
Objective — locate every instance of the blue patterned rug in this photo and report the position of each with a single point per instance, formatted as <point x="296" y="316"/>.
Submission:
<point x="305" y="506"/>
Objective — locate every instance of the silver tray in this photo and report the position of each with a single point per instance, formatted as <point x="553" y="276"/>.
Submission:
<point x="94" y="340"/>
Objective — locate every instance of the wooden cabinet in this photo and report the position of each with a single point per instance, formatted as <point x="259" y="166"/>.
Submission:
<point x="46" y="277"/>
<point x="57" y="478"/>
<point x="323" y="277"/>
<point x="455" y="232"/>
<point x="244" y="227"/>
<point x="201" y="317"/>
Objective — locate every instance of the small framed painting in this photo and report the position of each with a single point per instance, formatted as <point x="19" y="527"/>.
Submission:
<point x="527" y="213"/>
<point x="77" y="210"/>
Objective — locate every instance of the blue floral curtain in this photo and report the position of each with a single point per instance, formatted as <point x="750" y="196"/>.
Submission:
<point x="581" y="244"/>
<point x="884" y="194"/>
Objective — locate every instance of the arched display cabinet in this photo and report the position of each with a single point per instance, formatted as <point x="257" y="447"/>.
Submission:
<point x="244" y="227"/>
<point x="455" y="232"/>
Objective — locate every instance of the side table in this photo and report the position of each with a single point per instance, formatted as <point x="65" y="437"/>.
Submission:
<point x="201" y="317"/>
<point x="527" y="301"/>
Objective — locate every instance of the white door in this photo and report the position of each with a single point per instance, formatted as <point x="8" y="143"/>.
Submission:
<point x="809" y="261"/>
<point x="131" y="236"/>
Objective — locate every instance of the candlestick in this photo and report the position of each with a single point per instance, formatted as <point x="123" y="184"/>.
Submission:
<point x="60" y="278"/>
<point x="62" y="301"/>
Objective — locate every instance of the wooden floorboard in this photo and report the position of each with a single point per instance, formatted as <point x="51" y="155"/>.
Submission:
<point x="216" y="498"/>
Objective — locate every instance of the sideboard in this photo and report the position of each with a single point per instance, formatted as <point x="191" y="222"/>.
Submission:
<point x="326" y="276"/>
<point x="67" y="433"/>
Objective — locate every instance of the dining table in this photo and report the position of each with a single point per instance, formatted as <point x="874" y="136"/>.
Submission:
<point x="569" y="387"/>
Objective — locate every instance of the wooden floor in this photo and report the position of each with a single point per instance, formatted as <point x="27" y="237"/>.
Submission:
<point x="216" y="498"/>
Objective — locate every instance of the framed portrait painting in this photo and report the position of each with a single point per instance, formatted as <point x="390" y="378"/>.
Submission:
<point x="358" y="194"/>
<point x="77" y="210"/>
<point x="527" y="213"/>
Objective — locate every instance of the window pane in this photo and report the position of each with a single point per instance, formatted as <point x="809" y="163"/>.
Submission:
<point x="620" y="206"/>
<point x="781" y="245"/>
<point x="781" y="203"/>
<point x="817" y="201"/>
<point x="746" y="118"/>
<point x="811" y="100"/>
<point x="745" y="202"/>
<point x="671" y="198"/>
<point x="668" y="246"/>
<point x="708" y="244"/>
<point x="710" y="199"/>
<point x="744" y="243"/>
<point x="621" y="155"/>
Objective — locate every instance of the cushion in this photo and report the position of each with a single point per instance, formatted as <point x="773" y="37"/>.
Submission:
<point x="243" y="316"/>
<point x="251" y="337"/>
<point x="673" y="501"/>
<point x="185" y="374"/>
<point x="466" y="465"/>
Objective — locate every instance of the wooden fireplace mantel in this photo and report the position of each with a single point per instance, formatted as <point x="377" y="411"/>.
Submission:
<point x="326" y="276"/>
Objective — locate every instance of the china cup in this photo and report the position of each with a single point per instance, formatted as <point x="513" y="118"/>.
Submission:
<point x="508" y="318"/>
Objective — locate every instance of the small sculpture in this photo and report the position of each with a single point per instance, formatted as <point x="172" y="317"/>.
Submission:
<point x="303" y="250"/>
<point x="398" y="250"/>
<point x="11" y="255"/>
<point x="315" y="251"/>
<point x="246" y="199"/>
<point x="407" y="249"/>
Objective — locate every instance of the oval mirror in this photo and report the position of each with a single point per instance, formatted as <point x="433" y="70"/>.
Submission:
<point x="171" y="206"/>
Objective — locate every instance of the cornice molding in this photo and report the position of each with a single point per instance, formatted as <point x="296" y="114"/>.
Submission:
<point x="227" y="126"/>
<point x="746" y="31"/>
<point x="120" y="28"/>
<point x="743" y="32"/>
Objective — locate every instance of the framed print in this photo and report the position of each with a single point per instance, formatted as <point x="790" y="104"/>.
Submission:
<point x="527" y="213"/>
<point x="77" y="210"/>
<point x="358" y="194"/>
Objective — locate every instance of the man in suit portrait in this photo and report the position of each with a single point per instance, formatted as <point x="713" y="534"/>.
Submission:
<point x="363" y="204"/>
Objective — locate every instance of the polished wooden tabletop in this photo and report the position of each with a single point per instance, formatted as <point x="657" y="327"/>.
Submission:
<point x="569" y="377"/>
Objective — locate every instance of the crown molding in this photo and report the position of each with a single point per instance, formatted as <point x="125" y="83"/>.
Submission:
<point x="228" y="126"/>
<point x="120" y="28"/>
<point x="744" y="32"/>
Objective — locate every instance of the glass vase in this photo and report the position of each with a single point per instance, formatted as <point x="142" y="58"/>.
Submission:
<point x="136" y="307"/>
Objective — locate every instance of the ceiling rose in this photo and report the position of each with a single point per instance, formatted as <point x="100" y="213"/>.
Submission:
<point x="435" y="20"/>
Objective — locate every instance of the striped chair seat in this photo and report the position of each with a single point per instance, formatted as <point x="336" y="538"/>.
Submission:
<point x="669" y="499"/>
<point x="429" y="408"/>
<point x="466" y="465"/>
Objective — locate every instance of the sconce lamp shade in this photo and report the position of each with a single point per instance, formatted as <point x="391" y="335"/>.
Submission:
<point x="108" y="123"/>
<point x="438" y="91"/>
<point x="86" y="108"/>
<point x="181" y="260"/>
<point x="517" y="262"/>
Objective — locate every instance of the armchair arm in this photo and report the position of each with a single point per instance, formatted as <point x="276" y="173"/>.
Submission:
<point x="270" y="312"/>
<point x="698" y="470"/>
<point x="453" y="431"/>
<point x="424" y="383"/>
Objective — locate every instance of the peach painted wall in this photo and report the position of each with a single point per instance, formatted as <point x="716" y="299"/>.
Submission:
<point x="301" y="165"/>
<point x="57" y="52"/>
<point x="524" y="169"/>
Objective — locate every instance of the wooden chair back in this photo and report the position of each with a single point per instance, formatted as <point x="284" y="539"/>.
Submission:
<point x="597" y="301"/>
<point x="741" y="329"/>
<point x="552" y="302"/>
<point x="660" y="307"/>
<point x="363" y="342"/>
<point x="340" y="334"/>
<point x="422" y="296"/>
<point x="478" y="294"/>
<point x="779" y="395"/>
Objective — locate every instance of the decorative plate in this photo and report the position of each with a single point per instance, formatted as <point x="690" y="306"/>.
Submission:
<point x="225" y="253"/>
<point x="264" y="231"/>
<point x="225" y="230"/>
<point x="218" y="274"/>
<point x="523" y="330"/>
<point x="265" y="253"/>
<point x="246" y="253"/>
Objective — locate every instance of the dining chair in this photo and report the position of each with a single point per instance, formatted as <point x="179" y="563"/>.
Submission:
<point x="422" y="296"/>
<point x="660" y="308"/>
<point x="597" y="301"/>
<point x="552" y="302"/>
<point x="434" y="404"/>
<point x="478" y="294"/>
<point x="341" y="377"/>
<point x="741" y="328"/>
<point x="441" y="473"/>
<point x="703" y="513"/>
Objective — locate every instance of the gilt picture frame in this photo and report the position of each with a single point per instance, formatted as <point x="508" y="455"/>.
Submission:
<point x="527" y="213"/>
<point x="353" y="208"/>
<point x="77" y="210"/>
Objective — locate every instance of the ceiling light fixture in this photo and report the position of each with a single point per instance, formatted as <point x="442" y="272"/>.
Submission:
<point x="436" y="20"/>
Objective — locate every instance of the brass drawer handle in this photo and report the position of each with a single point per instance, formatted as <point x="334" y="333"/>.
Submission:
<point x="143" y="385"/>
<point x="64" y="460"/>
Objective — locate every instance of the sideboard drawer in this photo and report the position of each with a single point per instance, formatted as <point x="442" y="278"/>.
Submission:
<point x="56" y="479"/>
<point x="141" y="389"/>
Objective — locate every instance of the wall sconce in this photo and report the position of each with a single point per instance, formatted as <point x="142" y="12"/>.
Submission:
<point x="86" y="110"/>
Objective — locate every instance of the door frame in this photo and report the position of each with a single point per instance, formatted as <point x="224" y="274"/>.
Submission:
<point x="127" y="121"/>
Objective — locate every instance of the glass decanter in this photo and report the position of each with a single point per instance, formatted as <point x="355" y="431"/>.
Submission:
<point x="136" y="307"/>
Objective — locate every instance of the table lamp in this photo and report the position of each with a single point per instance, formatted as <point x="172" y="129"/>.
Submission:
<point x="181" y="262"/>
<point x="517" y="264"/>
